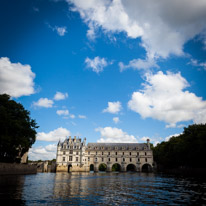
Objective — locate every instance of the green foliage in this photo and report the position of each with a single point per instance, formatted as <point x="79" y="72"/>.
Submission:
<point x="185" y="150"/>
<point x="102" y="167"/>
<point x="17" y="130"/>
<point x="116" y="167"/>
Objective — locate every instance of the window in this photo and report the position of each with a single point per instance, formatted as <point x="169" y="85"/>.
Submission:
<point x="76" y="159"/>
<point x="137" y="153"/>
<point x="88" y="153"/>
<point x="130" y="159"/>
<point x="96" y="153"/>
<point x="63" y="159"/>
<point x="130" y="153"/>
<point x="123" y="159"/>
<point x="102" y="159"/>
<point x="116" y="159"/>
<point x="77" y="153"/>
<point x="102" y="153"/>
<point x="145" y="153"/>
<point x="138" y="160"/>
<point x="145" y="159"/>
<point x="71" y="152"/>
<point x="108" y="153"/>
<point x="70" y="158"/>
<point x="123" y="153"/>
<point x="109" y="159"/>
<point x="88" y="159"/>
<point x="64" y="146"/>
<point x="116" y="153"/>
<point x="116" y="148"/>
<point x="96" y="159"/>
<point x="63" y="152"/>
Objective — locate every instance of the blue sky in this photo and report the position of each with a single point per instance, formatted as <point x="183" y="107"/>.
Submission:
<point x="110" y="71"/>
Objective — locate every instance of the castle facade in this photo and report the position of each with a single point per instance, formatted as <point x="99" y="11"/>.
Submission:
<point x="73" y="155"/>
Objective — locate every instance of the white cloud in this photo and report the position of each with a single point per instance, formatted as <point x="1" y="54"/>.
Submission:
<point x="82" y="116"/>
<point x="145" y="139"/>
<point x="164" y="98"/>
<point x="72" y="116"/>
<point x="116" y="120"/>
<point x="53" y="136"/>
<point x="43" y="153"/>
<point x="138" y="64"/>
<point x="113" y="107"/>
<point x="195" y="63"/>
<point x="97" y="64"/>
<point x="16" y="79"/>
<point x="61" y="30"/>
<point x="163" y="26"/>
<point x="112" y="134"/>
<point x="44" y="102"/>
<point x="60" y="96"/>
<point x="173" y="135"/>
<point x="63" y="112"/>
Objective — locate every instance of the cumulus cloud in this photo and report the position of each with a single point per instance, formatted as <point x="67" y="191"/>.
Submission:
<point x="44" y="102"/>
<point x="61" y="30"/>
<point x="63" y="112"/>
<point x="116" y="120"/>
<point x="53" y="136"/>
<point x="43" y="153"/>
<point x="163" y="26"/>
<point x="82" y="116"/>
<point x="138" y="64"/>
<point x="60" y="96"/>
<point x="113" y="107"/>
<point x="16" y="79"/>
<point x="97" y="64"/>
<point x="196" y="63"/>
<point x="173" y="135"/>
<point x="112" y="134"/>
<point x="164" y="98"/>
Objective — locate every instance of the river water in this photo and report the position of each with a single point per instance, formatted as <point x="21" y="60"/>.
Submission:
<point x="102" y="189"/>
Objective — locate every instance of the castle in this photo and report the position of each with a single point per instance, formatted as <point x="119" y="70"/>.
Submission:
<point x="73" y="155"/>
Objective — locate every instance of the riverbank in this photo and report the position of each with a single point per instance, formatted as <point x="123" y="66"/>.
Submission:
<point x="17" y="169"/>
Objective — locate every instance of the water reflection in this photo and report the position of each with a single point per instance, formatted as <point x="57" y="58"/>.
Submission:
<point x="104" y="189"/>
<point x="11" y="188"/>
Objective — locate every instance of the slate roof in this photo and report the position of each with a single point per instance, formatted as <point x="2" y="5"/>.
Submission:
<point x="116" y="146"/>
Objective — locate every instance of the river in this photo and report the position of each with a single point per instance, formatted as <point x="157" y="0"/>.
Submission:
<point x="102" y="189"/>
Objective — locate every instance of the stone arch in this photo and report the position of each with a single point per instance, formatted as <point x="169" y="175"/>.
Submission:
<point x="131" y="168"/>
<point x="91" y="168"/>
<point x="146" y="168"/>
<point x="102" y="167"/>
<point x="116" y="167"/>
<point x="69" y="168"/>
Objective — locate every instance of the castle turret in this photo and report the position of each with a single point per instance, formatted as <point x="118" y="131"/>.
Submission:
<point x="148" y="144"/>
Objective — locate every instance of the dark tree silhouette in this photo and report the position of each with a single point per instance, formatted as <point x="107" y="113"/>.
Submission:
<point x="17" y="130"/>
<point x="186" y="150"/>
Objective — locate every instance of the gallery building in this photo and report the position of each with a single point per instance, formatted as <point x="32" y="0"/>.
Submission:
<point x="73" y="155"/>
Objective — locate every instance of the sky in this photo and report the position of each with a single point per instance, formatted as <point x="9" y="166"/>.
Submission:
<point x="107" y="70"/>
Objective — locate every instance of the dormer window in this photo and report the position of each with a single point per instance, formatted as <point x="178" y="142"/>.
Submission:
<point x="123" y="148"/>
<point x="116" y="148"/>
<point x="102" y="148"/>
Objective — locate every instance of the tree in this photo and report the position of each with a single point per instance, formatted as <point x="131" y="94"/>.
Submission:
<point x="17" y="130"/>
<point x="185" y="150"/>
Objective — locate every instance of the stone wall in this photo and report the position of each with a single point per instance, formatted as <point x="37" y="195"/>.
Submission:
<point x="14" y="169"/>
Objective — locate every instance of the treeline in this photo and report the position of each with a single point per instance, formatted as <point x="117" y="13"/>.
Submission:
<point x="188" y="150"/>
